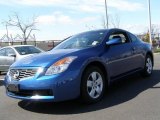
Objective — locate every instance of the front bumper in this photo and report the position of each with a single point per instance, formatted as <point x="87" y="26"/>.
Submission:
<point x="31" y="98"/>
<point x="64" y="86"/>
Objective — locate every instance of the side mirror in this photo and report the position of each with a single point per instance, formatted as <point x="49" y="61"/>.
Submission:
<point x="114" y="41"/>
<point x="12" y="55"/>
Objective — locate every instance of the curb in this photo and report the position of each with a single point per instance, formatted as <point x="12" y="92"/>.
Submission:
<point x="156" y="53"/>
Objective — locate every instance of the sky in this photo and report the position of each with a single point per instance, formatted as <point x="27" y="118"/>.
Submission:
<point x="58" y="19"/>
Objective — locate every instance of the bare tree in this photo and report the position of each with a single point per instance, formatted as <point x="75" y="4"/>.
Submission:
<point x="114" y="21"/>
<point x="90" y="27"/>
<point x="155" y="29"/>
<point x="103" y="22"/>
<point x="25" y="28"/>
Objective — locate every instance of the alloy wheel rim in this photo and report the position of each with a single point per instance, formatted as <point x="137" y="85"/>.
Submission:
<point x="94" y="85"/>
<point x="149" y="65"/>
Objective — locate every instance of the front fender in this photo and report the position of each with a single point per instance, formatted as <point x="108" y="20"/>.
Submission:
<point x="91" y="60"/>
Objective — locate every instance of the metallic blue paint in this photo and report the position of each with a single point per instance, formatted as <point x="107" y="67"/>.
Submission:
<point x="116" y="59"/>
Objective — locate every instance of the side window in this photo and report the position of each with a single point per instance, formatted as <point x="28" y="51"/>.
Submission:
<point x="3" y="52"/>
<point x="9" y="51"/>
<point x="123" y="37"/>
<point x="133" y="38"/>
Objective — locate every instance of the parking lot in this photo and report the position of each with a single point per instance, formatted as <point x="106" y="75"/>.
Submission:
<point x="134" y="98"/>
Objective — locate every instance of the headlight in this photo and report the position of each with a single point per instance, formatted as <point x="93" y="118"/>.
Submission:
<point x="60" y="66"/>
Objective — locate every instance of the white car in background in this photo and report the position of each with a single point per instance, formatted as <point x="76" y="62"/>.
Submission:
<point x="10" y="54"/>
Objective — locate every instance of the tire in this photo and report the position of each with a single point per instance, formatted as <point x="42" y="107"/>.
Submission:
<point x="92" y="85"/>
<point x="148" y="68"/>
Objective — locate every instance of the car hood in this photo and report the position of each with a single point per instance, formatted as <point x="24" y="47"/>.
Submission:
<point x="45" y="59"/>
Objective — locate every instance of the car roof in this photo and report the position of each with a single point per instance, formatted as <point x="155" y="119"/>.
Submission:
<point x="13" y="46"/>
<point x="20" y="45"/>
<point x="111" y="29"/>
<point x="106" y="30"/>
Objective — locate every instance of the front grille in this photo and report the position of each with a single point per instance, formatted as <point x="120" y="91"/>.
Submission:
<point x="18" y="74"/>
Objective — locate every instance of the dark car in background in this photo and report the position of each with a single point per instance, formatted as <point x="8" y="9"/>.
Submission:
<point x="81" y="66"/>
<point x="10" y="54"/>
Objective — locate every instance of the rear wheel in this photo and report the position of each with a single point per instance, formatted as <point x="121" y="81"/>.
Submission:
<point x="93" y="85"/>
<point x="148" y="68"/>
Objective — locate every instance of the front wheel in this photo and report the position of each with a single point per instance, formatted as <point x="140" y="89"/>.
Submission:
<point x="148" y="68"/>
<point x="93" y="85"/>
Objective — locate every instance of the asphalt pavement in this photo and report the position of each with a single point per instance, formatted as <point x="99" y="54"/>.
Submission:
<point x="133" y="98"/>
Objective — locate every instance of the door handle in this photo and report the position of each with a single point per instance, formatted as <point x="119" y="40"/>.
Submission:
<point x="133" y="50"/>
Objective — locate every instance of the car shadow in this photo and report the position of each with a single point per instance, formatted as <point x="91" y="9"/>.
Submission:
<point x="120" y="92"/>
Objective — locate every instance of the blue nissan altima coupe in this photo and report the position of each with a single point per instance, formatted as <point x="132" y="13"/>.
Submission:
<point x="82" y="66"/>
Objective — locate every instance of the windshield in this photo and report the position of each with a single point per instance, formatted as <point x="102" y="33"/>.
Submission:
<point x="24" y="50"/>
<point x="84" y="40"/>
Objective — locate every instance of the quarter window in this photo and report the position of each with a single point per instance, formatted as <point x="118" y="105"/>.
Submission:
<point x="133" y="38"/>
<point x="10" y="51"/>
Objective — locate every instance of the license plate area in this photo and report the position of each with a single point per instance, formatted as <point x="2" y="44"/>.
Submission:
<point x="13" y="88"/>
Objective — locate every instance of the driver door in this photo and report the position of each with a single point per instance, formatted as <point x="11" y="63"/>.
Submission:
<point x="119" y="57"/>
<point x="9" y="57"/>
<point x="3" y="60"/>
